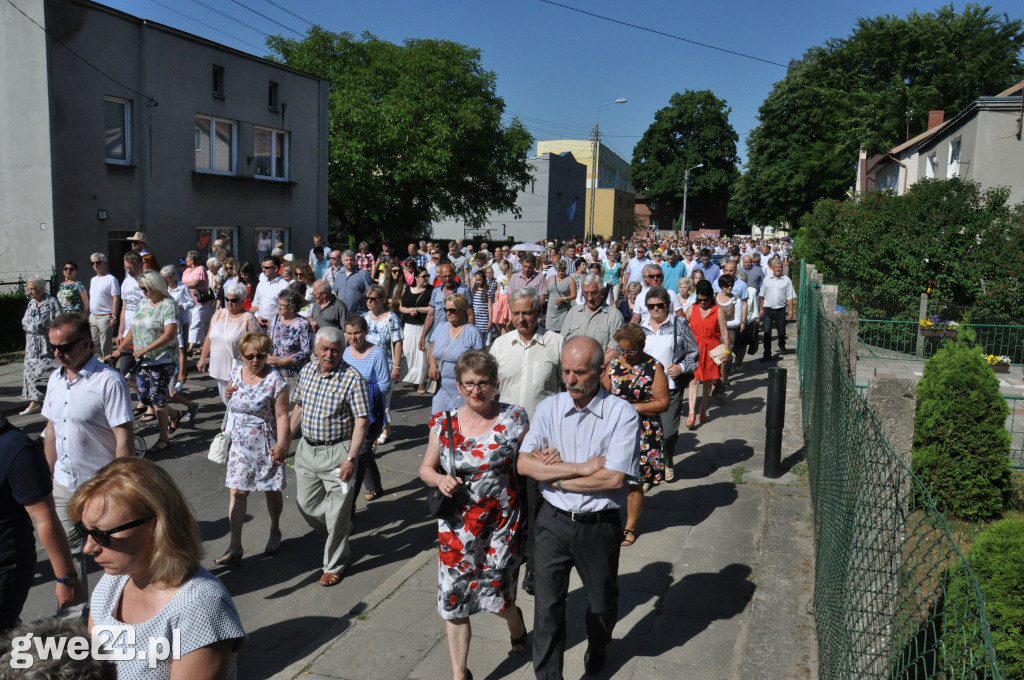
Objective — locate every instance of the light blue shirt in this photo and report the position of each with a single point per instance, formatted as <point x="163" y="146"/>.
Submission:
<point x="739" y="289"/>
<point x="672" y="274"/>
<point x="606" y="426"/>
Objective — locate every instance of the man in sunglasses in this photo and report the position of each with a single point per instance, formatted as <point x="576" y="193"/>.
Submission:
<point x="88" y="411"/>
<point x="104" y="301"/>
<point x="333" y="267"/>
<point x="264" y="300"/>
<point x="652" y="276"/>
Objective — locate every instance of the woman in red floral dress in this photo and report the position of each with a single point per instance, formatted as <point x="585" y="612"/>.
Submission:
<point x="480" y="547"/>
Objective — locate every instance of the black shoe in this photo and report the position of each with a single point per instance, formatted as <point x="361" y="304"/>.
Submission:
<point x="766" y="357"/>
<point x="593" y="661"/>
<point x="528" y="582"/>
<point x="784" y="351"/>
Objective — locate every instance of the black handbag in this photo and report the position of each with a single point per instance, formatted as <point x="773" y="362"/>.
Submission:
<point x="440" y="506"/>
<point x="207" y="295"/>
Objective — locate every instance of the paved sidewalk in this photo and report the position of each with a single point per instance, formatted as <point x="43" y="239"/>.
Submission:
<point x="718" y="584"/>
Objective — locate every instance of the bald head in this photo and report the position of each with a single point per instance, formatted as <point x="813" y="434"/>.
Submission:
<point x="586" y="349"/>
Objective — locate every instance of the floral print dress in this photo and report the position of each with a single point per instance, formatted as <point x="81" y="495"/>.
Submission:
<point x="253" y="434"/>
<point x="634" y="384"/>
<point x="292" y="339"/>
<point x="70" y="296"/>
<point x="39" y="359"/>
<point x="480" y="548"/>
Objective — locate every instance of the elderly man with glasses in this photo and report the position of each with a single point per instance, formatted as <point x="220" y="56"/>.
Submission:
<point x="327" y="310"/>
<point x="88" y="411"/>
<point x="104" y="301"/>
<point x="333" y="267"/>
<point x="594" y="318"/>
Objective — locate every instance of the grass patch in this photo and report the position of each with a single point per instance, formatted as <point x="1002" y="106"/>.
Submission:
<point x="737" y="472"/>
<point x="12" y="357"/>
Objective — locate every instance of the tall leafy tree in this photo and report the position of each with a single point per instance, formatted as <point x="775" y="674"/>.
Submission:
<point x="694" y="128"/>
<point x="871" y="89"/>
<point x="415" y="132"/>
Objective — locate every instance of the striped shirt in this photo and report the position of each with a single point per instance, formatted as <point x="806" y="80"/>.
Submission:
<point x="331" y="403"/>
<point x="480" y="317"/>
<point x="776" y="291"/>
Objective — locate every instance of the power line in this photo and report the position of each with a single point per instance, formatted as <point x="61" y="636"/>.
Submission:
<point x="228" y="16"/>
<point x="233" y="37"/>
<point x="288" y="11"/>
<point x="273" y="21"/>
<point x="94" y="67"/>
<point x="663" y="33"/>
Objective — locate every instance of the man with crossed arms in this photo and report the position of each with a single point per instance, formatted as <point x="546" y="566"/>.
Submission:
<point x="582" y="447"/>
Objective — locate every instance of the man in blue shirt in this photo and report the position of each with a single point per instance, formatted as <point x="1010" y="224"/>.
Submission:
<point x="350" y="284"/>
<point x="673" y="269"/>
<point x="711" y="270"/>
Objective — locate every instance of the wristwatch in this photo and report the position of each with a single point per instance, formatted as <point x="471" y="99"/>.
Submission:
<point x="558" y="485"/>
<point x="350" y="459"/>
<point x="71" y="580"/>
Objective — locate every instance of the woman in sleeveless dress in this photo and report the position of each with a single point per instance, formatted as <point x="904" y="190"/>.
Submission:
<point x="640" y="379"/>
<point x="561" y="294"/>
<point x="708" y="323"/>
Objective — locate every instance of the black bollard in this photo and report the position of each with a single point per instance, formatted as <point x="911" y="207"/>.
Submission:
<point x="775" y="414"/>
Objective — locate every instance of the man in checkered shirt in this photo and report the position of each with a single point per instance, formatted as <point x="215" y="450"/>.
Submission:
<point x="332" y="405"/>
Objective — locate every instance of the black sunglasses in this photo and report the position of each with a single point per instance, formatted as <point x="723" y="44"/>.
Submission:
<point x="227" y="299"/>
<point x="69" y="269"/>
<point x="67" y="346"/>
<point x="655" y="305"/>
<point x="103" y="537"/>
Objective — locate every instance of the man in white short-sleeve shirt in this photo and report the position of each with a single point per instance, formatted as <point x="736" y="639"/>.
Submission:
<point x="104" y="301"/>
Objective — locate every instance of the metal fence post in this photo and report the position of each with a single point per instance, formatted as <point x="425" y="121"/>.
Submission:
<point x="922" y="313"/>
<point x="774" y="416"/>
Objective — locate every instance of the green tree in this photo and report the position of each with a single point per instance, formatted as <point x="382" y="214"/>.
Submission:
<point x="693" y="129"/>
<point x="858" y="91"/>
<point x="415" y="132"/>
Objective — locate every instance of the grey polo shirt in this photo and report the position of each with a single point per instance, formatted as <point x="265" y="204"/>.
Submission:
<point x="601" y="325"/>
<point x="333" y="315"/>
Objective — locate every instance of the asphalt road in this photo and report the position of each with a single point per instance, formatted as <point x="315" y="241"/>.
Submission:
<point x="282" y="605"/>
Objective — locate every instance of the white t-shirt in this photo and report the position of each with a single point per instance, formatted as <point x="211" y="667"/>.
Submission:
<point x="131" y="296"/>
<point x="102" y="290"/>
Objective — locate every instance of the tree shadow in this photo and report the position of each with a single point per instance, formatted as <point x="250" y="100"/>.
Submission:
<point x="709" y="457"/>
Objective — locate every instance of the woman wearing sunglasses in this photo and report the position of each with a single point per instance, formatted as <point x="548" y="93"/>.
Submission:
<point x="72" y="295"/>
<point x="639" y="378"/>
<point x="384" y="329"/>
<point x="709" y="324"/>
<point x="260" y="436"/>
<point x="154" y="338"/>
<point x="414" y="306"/>
<point x="220" y="348"/>
<point x="137" y="525"/>
<point x="449" y="340"/>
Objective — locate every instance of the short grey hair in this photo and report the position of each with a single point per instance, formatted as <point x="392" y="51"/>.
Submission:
<point x="235" y="290"/>
<point x="192" y="255"/>
<point x="659" y="293"/>
<point x="530" y="293"/>
<point x="212" y="262"/>
<point x="348" y="253"/>
<point x="169" y="272"/>
<point x="648" y="267"/>
<point x="528" y="258"/>
<point x="592" y="278"/>
<point x="755" y="257"/>
<point x="38" y="281"/>
<point x="98" y="256"/>
<point x="330" y="336"/>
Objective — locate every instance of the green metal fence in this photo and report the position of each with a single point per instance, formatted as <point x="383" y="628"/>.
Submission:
<point x="894" y="598"/>
<point x="883" y="339"/>
<point x="1016" y="427"/>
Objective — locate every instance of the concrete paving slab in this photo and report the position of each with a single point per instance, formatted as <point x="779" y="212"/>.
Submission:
<point x="366" y="653"/>
<point x="694" y="643"/>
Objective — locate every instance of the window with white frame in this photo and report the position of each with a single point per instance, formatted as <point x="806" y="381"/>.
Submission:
<point x="270" y="153"/>
<point x="929" y="168"/>
<point x="117" y="130"/>
<point x="954" y="158"/>
<point x="215" y="142"/>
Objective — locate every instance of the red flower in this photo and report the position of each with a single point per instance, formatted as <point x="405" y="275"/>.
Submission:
<point x="477" y="453"/>
<point x="477" y="517"/>
<point x="450" y="548"/>
<point x="499" y="428"/>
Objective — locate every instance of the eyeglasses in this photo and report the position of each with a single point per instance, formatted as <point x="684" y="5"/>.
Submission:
<point x="96" y="264"/>
<point x="260" y="356"/>
<point x="627" y="351"/>
<point x="144" y="289"/>
<point x="67" y="346"/>
<point x="232" y="300"/>
<point x="69" y="269"/>
<point x="656" y="305"/>
<point x="269" y="266"/>
<point x="335" y="258"/>
<point x="396" y="271"/>
<point x="655" y="276"/>
<point x="482" y="385"/>
<point x="371" y="299"/>
<point x="703" y="299"/>
<point x="103" y="537"/>
<point x="451" y="310"/>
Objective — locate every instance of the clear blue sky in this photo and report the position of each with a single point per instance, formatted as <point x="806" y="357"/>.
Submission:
<point x="556" y="66"/>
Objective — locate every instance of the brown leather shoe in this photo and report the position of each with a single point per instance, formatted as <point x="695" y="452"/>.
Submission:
<point x="330" y="579"/>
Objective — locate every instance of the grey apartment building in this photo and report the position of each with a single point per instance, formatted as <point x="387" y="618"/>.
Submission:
<point x="112" y="124"/>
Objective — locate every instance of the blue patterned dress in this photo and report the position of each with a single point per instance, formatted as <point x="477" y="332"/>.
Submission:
<point x="293" y="339"/>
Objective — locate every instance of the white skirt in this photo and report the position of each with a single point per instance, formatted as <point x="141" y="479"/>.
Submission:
<point x="414" y="360"/>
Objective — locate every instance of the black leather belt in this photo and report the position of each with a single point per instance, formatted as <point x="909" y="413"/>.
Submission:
<point x="323" y="442"/>
<point x="598" y="517"/>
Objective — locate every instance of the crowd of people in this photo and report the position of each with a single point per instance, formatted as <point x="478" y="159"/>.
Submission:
<point x="559" y="377"/>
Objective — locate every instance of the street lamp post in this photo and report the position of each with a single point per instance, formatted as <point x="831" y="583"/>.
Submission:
<point x="686" y="189"/>
<point x="595" y="147"/>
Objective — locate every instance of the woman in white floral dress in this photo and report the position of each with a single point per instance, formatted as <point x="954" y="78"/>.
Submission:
<point x="39" y="362"/>
<point x="480" y="546"/>
<point x="260" y="437"/>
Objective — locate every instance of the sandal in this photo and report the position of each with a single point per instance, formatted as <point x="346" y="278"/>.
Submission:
<point x="160" y="445"/>
<point x="148" y="418"/>
<point x="229" y="559"/>
<point x="691" y="422"/>
<point x="172" y="422"/>
<point x="519" y="643"/>
<point x="273" y="544"/>
<point x="373" y="495"/>
<point x="626" y="533"/>
<point x="139" y="411"/>
<point x="190" y="415"/>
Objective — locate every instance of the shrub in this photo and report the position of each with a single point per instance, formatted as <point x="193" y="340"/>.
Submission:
<point x="961" y="446"/>
<point x="12" y="308"/>
<point x="996" y="558"/>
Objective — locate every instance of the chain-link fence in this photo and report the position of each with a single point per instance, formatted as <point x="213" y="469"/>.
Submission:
<point x="894" y="597"/>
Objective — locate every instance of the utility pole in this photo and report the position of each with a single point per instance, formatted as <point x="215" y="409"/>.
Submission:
<point x="595" y="148"/>
<point x="686" y="189"/>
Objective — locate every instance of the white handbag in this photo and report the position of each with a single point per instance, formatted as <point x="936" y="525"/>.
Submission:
<point x="221" y="444"/>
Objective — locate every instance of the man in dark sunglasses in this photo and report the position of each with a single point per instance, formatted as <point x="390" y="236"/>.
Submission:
<point x="653" y="276"/>
<point x="88" y="411"/>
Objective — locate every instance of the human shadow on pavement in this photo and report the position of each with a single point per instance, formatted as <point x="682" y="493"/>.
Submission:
<point x="688" y="505"/>
<point x="280" y="644"/>
<point x="709" y="457"/>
